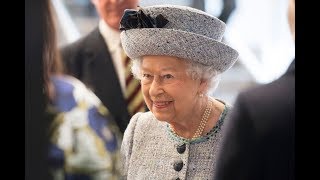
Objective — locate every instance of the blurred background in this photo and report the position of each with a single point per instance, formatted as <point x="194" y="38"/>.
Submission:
<point x="258" y="30"/>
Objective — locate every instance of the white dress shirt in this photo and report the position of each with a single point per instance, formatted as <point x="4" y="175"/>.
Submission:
<point x="112" y="39"/>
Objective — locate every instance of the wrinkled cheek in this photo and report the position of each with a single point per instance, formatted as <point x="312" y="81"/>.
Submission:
<point x="146" y="96"/>
<point x="145" y="91"/>
<point x="148" y="102"/>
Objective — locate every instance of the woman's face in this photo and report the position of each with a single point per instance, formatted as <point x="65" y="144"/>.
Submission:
<point x="169" y="92"/>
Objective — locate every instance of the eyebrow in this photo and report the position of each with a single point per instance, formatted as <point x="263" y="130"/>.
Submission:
<point x="164" y="69"/>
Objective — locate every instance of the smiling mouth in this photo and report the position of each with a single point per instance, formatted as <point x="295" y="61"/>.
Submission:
<point x="161" y="104"/>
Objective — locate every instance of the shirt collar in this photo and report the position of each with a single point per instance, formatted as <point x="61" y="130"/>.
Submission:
<point x="111" y="36"/>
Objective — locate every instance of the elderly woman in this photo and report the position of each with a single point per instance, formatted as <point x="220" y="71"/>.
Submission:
<point x="177" y="54"/>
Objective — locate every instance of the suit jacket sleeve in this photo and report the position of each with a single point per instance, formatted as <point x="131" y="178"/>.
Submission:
<point x="238" y="145"/>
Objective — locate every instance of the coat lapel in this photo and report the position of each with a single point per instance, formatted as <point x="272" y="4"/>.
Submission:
<point x="103" y="74"/>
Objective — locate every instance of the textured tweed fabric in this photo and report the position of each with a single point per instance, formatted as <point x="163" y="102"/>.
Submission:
<point x="149" y="151"/>
<point x="189" y="34"/>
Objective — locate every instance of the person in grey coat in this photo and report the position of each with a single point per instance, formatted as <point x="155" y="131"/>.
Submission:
<point x="177" y="54"/>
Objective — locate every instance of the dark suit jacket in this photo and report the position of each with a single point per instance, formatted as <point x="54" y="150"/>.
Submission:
<point x="89" y="60"/>
<point x="259" y="136"/>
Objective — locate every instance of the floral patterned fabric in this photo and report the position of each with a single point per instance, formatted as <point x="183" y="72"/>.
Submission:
<point x="84" y="139"/>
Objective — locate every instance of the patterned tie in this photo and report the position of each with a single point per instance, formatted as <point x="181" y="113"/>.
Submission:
<point x="133" y="94"/>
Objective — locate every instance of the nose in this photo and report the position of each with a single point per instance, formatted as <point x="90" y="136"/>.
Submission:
<point x="156" y="88"/>
<point x="114" y="1"/>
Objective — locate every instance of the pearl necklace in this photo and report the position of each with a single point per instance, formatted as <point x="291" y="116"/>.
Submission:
<point x="204" y="120"/>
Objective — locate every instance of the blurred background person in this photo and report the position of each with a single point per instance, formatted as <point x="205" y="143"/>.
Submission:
<point x="178" y="55"/>
<point x="227" y="9"/>
<point x="258" y="141"/>
<point x="36" y="123"/>
<point x="84" y="139"/>
<point x="98" y="60"/>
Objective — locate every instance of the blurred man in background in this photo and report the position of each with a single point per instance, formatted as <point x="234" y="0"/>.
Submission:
<point x="97" y="60"/>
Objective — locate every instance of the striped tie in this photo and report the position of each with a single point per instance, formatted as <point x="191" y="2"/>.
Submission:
<point x="133" y="92"/>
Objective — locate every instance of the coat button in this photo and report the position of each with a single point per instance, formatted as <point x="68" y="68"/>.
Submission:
<point x="175" y="178"/>
<point x="177" y="165"/>
<point x="181" y="148"/>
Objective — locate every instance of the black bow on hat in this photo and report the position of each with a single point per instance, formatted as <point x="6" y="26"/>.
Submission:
<point x="133" y="19"/>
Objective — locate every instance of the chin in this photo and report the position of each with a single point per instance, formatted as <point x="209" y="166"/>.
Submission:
<point x="160" y="117"/>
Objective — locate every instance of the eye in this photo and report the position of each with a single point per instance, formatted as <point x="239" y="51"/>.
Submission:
<point x="146" y="76"/>
<point x="168" y="76"/>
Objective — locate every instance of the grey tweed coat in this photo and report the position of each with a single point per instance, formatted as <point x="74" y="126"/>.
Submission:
<point x="150" y="150"/>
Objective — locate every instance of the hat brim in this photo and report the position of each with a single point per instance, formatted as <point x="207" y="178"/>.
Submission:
<point x="182" y="44"/>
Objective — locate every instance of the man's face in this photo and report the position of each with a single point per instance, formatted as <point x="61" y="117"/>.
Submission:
<point x="111" y="11"/>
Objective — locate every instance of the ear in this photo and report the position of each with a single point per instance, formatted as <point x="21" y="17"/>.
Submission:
<point x="203" y="86"/>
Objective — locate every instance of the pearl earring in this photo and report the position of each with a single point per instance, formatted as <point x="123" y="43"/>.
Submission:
<point x="201" y="95"/>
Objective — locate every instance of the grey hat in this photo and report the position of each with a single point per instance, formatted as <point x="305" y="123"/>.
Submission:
<point x="179" y="31"/>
